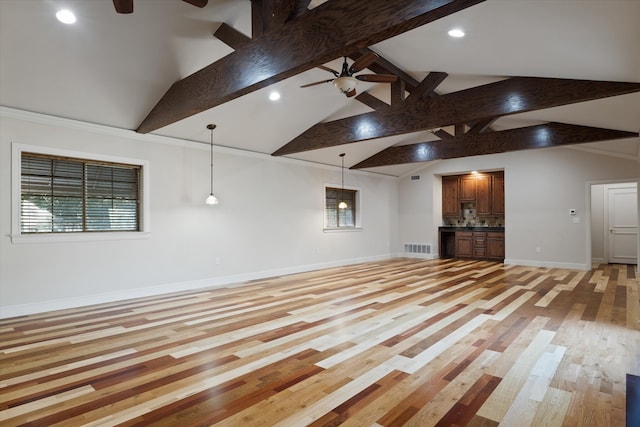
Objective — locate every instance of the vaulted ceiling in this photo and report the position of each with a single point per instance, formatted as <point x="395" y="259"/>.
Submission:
<point x="527" y="75"/>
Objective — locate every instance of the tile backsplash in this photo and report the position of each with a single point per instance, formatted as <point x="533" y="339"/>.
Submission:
<point x="469" y="218"/>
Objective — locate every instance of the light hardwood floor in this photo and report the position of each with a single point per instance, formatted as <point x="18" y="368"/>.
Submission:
<point x="400" y="342"/>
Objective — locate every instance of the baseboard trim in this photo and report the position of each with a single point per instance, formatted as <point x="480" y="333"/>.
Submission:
<point x="10" y="311"/>
<point x="548" y="264"/>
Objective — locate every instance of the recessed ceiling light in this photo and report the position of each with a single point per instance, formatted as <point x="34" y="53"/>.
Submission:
<point x="456" y="32"/>
<point x="66" y="16"/>
<point x="274" y="96"/>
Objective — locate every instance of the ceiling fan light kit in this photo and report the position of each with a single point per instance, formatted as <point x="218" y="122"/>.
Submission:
<point x="345" y="84"/>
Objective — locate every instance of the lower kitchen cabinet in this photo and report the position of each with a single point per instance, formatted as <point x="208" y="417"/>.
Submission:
<point x="472" y="244"/>
<point x="464" y="244"/>
<point x="495" y="245"/>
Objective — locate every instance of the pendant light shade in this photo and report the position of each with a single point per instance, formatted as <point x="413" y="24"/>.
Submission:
<point x="342" y="204"/>
<point x="211" y="199"/>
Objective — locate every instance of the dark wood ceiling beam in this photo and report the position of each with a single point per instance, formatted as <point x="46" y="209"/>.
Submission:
<point x="231" y="37"/>
<point x="300" y="8"/>
<point x="372" y="102"/>
<point x="482" y="125"/>
<point x="269" y="15"/>
<point x="326" y="32"/>
<point x="511" y="96"/>
<point x="123" y="6"/>
<point x="426" y="87"/>
<point x="398" y="92"/>
<point x="443" y="135"/>
<point x="197" y="3"/>
<point x="530" y="137"/>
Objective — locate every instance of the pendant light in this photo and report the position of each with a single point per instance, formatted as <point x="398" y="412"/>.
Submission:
<point x="342" y="204"/>
<point x="212" y="199"/>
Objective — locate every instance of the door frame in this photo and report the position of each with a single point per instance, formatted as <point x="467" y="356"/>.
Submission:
<point x="588" y="212"/>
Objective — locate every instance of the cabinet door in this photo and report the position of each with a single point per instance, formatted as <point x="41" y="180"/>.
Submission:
<point x="483" y="196"/>
<point x="450" y="202"/>
<point x="468" y="188"/>
<point x="497" y="193"/>
<point x="495" y="246"/>
<point x="464" y="245"/>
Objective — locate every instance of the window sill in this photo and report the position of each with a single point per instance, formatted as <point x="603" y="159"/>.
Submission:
<point x="77" y="237"/>
<point x="341" y="229"/>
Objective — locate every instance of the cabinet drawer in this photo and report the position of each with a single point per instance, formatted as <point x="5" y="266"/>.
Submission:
<point x="479" y="252"/>
<point x="480" y="239"/>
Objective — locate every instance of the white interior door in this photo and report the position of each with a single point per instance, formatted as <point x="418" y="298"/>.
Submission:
<point x="623" y="225"/>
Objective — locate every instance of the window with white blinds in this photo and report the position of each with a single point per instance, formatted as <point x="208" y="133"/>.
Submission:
<point x="67" y="195"/>
<point x="334" y="217"/>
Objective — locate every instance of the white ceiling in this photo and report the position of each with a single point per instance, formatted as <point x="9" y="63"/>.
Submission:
<point x="112" y="69"/>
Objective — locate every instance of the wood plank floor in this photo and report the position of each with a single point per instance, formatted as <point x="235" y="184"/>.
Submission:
<point x="400" y="342"/>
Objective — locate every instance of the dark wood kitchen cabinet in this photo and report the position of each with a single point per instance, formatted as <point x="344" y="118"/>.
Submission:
<point x="450" y="199"/>
<point x="497" y="193"/>
<point x="471" y="243"/>
<point x="485" y="189"/>
<point x="464" y="244"/>
<point x="468" y="188"/>
<point x="483" y="195"/>
<point x="495" y="245"/>
<point x="490" y="194"/>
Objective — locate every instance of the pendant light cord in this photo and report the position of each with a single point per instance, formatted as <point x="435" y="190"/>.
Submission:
<point x="211" y="127"/>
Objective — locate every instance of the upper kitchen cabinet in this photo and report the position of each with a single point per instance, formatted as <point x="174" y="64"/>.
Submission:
<point x="497" y="195"/>
<point x="468" y="188"/>
<point x="450" y="198"/>
<point x="483" y="194"/>
<point x="490" y="194"/>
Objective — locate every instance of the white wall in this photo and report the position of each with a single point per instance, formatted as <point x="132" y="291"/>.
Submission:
<point x="540" y="188"/>
<point x="269" y="221"/>
<point x="597" y="223"/>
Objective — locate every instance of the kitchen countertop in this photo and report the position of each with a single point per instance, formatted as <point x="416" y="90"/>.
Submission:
<point x="464" y="228"/>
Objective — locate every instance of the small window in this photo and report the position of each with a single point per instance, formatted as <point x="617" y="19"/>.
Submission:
<point x="337" y="215"/>
<point x="71" y="195"/>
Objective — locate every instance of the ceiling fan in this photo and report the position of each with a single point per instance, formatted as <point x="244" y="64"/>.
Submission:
<point x="126" y="6"/>
<point x="346" y="82"/>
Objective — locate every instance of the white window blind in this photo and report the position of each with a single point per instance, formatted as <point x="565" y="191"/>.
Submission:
<point x="66" y="195"/>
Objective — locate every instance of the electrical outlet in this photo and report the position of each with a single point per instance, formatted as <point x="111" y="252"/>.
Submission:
<point x="217" y="260"/>
<point x="576" y="220"/>
<point x="572" y="211"/>
<point x="538" y="249"/>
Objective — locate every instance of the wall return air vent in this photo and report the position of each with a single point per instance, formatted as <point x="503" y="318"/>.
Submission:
<point x="417" y="248"/>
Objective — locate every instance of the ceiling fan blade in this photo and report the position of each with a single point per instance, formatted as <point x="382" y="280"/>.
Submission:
<point x="317" y="83"/>
<point x="378" y="78"/>
<point x="197" y="3"/>
<point x="331" y="70"/>
<point x="123" y="6"/>
<point x="351" y="93"/>
<point x="363" y="62"/>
